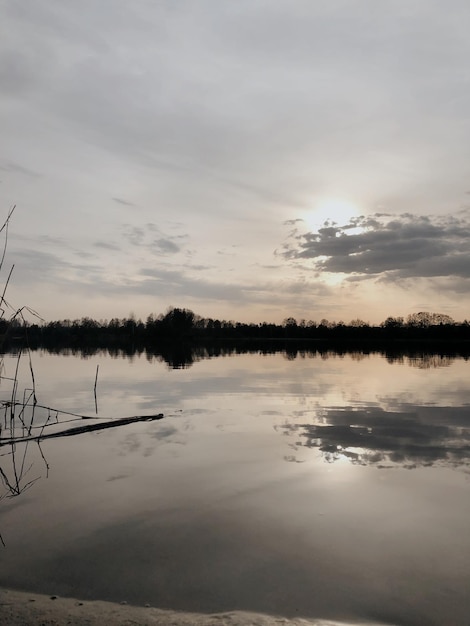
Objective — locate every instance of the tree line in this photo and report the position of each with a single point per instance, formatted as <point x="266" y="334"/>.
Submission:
<point x="183" y="325"/>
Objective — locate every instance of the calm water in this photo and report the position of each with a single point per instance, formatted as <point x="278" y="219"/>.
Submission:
<point x="331" y="487"/>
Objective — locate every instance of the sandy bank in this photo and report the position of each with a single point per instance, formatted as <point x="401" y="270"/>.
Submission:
<point x="24" y="609"/>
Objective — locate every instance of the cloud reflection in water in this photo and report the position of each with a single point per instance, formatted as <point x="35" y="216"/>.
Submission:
<point x="410" y="436"/>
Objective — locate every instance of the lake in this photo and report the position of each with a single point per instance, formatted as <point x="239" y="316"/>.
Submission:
<point x="310" y="485"/>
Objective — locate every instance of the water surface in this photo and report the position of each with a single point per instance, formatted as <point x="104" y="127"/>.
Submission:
<point x="317" y="486"/>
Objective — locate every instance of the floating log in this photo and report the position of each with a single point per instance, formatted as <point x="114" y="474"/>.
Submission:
<point x="79" y="430"/>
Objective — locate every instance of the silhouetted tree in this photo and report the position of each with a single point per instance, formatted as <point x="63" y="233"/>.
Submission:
<point x="178" y="321"/>
<point x="290" y="322"/>
<point x="358" y="323"/>
<point x="423" y="319"/>
<point x="393" y="322"/>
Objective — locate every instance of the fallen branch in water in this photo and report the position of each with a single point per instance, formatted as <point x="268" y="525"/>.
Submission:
<point x="79" y="430"/>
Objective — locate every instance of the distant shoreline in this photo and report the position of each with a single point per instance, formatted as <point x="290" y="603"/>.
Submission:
<point x="183" y="327"/>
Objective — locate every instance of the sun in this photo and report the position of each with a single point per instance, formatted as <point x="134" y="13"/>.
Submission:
<point x="331" y="210"/>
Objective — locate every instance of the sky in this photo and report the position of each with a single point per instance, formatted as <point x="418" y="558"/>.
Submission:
<point x="250" y="160"/>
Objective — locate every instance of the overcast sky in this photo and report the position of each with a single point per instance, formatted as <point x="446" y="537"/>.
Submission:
<point x="250" y="160"/>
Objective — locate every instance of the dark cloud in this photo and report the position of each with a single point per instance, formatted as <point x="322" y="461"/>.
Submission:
<point x="292" y="222"/>
<point x="144" y="237"/>
<point x="37" y="262"/>
<point x="82" y="254"/>
<point x="52" y="241"/>
<point x="124" y="202"/>
<point x="33" y="265"/>
<point x="458" y="285"/>
<point x="106" y="245"/>
<point x="175" y="283"/>
<point x="134" y="235"/>
<point x="395" y="247"/>
<point x="226" y="253"/>
<point x="165" y="246"/>
<point x="198" y="267"/>
<point x="19" y="169"/>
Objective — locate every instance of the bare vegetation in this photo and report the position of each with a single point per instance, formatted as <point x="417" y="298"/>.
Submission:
<point x="23" y="421"/>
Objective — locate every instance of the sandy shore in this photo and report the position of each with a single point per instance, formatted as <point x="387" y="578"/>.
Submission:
<point x="18" y="608"/>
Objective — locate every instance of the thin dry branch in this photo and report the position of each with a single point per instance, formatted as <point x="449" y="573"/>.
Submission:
<point x="5" y="228"/>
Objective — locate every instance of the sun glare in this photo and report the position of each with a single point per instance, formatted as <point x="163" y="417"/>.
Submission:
<point x="332" y="210"/>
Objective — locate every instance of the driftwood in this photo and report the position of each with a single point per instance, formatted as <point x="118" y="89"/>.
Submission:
<point x="79" y="430"/>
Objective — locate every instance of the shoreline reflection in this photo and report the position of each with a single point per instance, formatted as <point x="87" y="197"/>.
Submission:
<point x="184" y="355"/>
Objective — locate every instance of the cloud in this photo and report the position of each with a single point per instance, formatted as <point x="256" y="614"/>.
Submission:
<point x="218" y="105"/>
<point x="134" y="235"/>
<point x="292" y="222"/>
<point x="124" y="202"/>
<point x="173" y="283"/>
<point x="458" y="285"/>
<point x="392" y="247"/>
<point x="144" y="237"/>
<point x="165" y="246"/>
<point x="106" y="245"/>
<point x="19" y="169"/>
<point x="51" y="241"/>
<point x="199" y="267"/>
